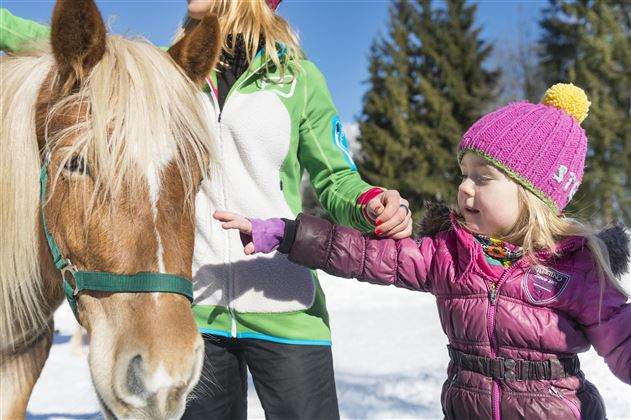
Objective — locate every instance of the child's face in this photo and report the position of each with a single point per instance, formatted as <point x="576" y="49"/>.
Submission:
<point x="487" y="198"/>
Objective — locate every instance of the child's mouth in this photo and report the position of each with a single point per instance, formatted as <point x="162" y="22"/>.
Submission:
<point x="471" y="210"/>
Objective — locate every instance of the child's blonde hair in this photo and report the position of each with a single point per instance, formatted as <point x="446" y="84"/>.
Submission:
<point x="538" y="227"/>
<point x="254" y="20"/>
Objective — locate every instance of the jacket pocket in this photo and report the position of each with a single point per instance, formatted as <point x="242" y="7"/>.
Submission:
<point x="568" y="402"/>
<point x="465" y="403"/>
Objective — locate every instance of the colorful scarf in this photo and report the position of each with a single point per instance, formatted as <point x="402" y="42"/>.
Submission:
<point x="503" y="252"/>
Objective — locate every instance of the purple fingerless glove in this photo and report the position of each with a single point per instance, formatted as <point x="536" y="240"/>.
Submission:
<point x="266" y="234"/>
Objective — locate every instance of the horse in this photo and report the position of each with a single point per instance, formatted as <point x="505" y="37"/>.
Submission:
<point x="104" y="143"/>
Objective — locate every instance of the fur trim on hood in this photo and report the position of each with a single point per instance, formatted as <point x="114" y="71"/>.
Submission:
<point x="436" y="219"/>
<point x="616" y="238"/>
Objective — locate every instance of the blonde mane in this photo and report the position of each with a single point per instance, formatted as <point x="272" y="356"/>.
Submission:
<point x="20" y="279"/>
<point x="136" y="101"/>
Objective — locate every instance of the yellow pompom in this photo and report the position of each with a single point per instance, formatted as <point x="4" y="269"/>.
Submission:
<point x="569" y="98"/>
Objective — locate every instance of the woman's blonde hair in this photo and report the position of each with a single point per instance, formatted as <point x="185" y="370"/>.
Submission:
<point x="255" y="21"/>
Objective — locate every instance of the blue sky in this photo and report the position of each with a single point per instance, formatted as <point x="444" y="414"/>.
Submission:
<point x="336" y="34"/>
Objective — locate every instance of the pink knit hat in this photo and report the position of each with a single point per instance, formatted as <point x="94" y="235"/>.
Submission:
<point x="541" y="146"/>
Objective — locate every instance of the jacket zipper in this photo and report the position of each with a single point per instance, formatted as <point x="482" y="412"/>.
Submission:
<point x="233" y="321"/>
<point x="552" y="390"/>
<point x="493" y="295"/>
<point x="235" y="86"/>
<point x="233" y="318"/>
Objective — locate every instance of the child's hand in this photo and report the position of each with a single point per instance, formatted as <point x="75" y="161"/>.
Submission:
<point x="235" y="221"/>
<point x="256" y="235"/>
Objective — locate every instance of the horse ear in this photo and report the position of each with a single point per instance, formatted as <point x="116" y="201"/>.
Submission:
<point x="198" y="51"/>
<point x="78" y="40"/>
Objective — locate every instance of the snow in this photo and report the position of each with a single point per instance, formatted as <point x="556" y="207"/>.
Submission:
<point x="389" y="354"/>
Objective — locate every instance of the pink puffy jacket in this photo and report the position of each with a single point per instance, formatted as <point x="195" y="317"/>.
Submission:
<point x="514" y="313"/>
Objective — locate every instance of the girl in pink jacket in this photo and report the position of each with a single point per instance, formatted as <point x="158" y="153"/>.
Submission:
<point x="520" y="288"/>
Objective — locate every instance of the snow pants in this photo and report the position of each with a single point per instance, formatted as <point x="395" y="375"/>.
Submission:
<point x="293" y="382"/>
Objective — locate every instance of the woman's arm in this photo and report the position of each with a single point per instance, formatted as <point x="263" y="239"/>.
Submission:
<point x="324" y="152"/>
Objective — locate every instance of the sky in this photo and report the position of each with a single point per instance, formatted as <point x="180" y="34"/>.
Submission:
<point x="336" y="34"/>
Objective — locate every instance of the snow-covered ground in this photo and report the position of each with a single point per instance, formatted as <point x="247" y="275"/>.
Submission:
<point x="389" y="352"/>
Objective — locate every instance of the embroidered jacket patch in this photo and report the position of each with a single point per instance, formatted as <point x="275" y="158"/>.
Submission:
<point x="543" y="284"/>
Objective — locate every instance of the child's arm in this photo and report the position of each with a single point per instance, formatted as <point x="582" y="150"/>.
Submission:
<point x="338" y="250"/>
<point x="608" y="327"/>
<point x="16" y="32"/>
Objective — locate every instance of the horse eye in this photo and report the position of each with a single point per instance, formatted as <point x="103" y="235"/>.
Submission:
<point x="76" y="164"/>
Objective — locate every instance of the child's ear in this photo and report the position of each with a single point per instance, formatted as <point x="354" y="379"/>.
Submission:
<point x="198" y="51"/>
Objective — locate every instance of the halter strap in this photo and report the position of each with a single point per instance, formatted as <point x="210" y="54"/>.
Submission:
<point x="105" y="281"/>
<point x="60" y="261"/>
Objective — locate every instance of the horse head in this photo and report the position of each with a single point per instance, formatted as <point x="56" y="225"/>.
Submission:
<point x="121" y="132"/>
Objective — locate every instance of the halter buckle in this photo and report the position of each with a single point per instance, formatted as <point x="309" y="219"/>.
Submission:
<point x="72" y="269"/>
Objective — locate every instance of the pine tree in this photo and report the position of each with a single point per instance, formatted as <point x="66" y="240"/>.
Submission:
<point x="588" y="42"/>
<point x="427" y="86"/>
<point x="386" y="123"/>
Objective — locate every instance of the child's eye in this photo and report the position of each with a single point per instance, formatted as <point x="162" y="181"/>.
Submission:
<point x="480" y="179"/>
<point x="476" y="178"/>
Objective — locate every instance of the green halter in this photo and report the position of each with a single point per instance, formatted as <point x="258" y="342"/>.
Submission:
<point x="102" y="281"/>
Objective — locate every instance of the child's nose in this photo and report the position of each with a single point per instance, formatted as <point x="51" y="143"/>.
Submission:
<point x="466" y="187"/>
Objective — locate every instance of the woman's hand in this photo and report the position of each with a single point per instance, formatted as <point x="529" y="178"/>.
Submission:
<point x="235" y="221"/>
<point x="391" y="214"/>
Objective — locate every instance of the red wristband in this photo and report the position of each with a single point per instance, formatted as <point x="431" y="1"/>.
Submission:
<point x="365" y="198"/>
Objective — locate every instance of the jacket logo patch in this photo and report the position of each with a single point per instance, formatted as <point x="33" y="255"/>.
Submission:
<point x="340" y="141"/>
<point x="543" y="284"/>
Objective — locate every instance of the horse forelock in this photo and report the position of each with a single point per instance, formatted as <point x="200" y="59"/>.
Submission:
<point x="141" y="114"/>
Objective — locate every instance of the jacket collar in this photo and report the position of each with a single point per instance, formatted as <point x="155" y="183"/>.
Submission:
<point x="257" y="66"/>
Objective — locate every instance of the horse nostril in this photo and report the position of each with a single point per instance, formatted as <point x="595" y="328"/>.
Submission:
<point x="135" y="373"/>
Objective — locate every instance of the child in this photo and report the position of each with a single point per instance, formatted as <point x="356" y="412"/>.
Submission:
<point x="517" y="284"/>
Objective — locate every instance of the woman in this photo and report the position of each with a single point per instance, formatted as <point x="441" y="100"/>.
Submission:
<point x="274" y="118"/>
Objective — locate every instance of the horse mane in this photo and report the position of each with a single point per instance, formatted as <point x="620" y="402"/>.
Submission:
<point x="21" y="290"/>
<point x="139" y="106"/>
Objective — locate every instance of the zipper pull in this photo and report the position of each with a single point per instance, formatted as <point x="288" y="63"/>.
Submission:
<point x="552" y="390"/>
<point x="493" y="293"/>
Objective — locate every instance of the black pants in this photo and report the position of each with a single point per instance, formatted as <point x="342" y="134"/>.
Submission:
<point x="293" y="382"/>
